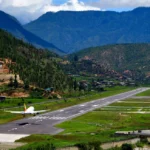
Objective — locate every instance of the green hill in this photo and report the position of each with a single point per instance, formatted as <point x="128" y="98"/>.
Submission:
<point x="119" y="57"/>
<point x="35" y="66"/>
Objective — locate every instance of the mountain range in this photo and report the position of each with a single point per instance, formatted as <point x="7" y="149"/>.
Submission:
<point x="73" y="31"/>
<point x="12" y="25"/>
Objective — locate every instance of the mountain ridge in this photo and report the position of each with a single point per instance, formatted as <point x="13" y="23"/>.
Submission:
<point x="12" y="25"/>
<point x="72" y="31"/>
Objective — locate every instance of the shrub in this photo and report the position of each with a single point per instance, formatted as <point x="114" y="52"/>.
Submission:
<point x="126" y="147"/>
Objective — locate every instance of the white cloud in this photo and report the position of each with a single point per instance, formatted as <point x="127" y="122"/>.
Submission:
<point x="71" y="5"/>
<point x="28" y="10"/>
<point x="106" y="4"/>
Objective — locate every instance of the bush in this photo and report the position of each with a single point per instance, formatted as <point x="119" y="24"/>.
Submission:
<point x="144" y="140"/>
<point x="126" y="147"/>
<point x="139" y="144"/>
<point x="36" y="94"/>
<point x="89" y="146"/>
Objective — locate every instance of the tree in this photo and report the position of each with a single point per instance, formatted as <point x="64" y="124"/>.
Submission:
<point x="76" y="58"/>
<point x="26" y="84"/>
<point x="11" y="82"/>
<point x="75" y="85"/>
<point x="15" y="81"/>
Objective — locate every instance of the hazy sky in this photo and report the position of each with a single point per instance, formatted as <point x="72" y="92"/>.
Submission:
<point x="27" y="10"/>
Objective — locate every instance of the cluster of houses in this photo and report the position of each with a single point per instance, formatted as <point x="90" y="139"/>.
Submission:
<point x="101" y="81"/>
<point x="100" y="85"/>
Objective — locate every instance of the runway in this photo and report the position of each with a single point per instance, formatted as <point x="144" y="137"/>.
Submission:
<point x="44" y="124"/>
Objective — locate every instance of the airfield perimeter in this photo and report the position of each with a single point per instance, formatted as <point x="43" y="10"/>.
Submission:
<point x="44" y="124"/>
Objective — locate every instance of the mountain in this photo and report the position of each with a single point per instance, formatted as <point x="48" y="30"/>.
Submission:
<point x="120" y="57"/>
<point x="72" y="31"/>
<point x="11" y="24"/>
<point x="37" y="67"/>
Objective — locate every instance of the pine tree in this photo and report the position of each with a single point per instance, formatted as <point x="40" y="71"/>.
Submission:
<point x="15" y="81"/>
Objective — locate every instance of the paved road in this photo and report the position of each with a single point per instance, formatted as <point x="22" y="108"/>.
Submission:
<point x="44" y="124"/>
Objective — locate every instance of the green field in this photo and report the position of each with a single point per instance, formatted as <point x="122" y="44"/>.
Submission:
<point x="104" y="122"/>
<point x="146" y="93"/>
<point x="100" y="125"/>
<point x="55" y="105"/>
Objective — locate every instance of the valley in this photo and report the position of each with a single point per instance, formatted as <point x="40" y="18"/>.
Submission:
<point x="76" y="79"/>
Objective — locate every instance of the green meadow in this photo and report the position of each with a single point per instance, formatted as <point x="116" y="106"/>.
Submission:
<point x="146" y="93"/>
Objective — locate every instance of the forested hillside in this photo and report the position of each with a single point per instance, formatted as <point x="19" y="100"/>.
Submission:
<point x="35" y="66"/>
<point x="119" y="57"/>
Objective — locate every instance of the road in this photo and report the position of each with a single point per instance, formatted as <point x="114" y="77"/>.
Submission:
<point x="44" y="123"/>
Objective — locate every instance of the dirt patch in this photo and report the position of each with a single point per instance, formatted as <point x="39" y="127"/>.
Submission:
<point x="16" y="94"/>
<point x="5" y="78"/>
<point x="20" y="94"/>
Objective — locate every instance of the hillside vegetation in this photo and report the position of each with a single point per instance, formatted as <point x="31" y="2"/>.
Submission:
<point x="35" y="66"/>
<point x="121" y="57"/>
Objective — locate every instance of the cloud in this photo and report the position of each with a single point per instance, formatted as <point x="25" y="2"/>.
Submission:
<point x="71" y="5"/>
<point x="107" y="4"/>
<point x="28" y="10"/>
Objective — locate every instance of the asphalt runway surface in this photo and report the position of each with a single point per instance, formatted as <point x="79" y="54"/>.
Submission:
<point x="44" y="123"/>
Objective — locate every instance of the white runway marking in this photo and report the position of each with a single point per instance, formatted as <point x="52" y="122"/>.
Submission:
<point x="82" y="105"/>
<point x="61" y="110"/>
<point x="12" y="129"/>
<point x="48" y="118"/>
<point x="95" y="105"/>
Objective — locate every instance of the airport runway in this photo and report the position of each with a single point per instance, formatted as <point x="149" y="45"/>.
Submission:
<point x="44" y="124"/>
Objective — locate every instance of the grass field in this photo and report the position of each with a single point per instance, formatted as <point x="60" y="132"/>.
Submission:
<point x="55" y="105"/>
<point x="146" y="93"/>
<point x="100" y="125"/>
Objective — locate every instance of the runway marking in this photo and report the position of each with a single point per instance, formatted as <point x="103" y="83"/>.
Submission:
<point x="95" y="105"/>
<point x="57" y="118"/>
<point x="61" y="110"/>
<point x="48" y="118"/>
<point x="12" y="129"/>
<point x="26" y="125"/>
<point x="82" y="105"/>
